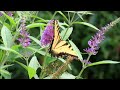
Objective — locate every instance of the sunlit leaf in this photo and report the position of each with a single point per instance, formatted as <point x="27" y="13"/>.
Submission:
<point x="66" y="33"/>
<point x="7" y="37"/>
<point x="76" y="50"/>
<point x="5" y="74"/>
<point x="34" y="63"/>
<point x="31" y="72"/>
<point x="103" y="62"/>
<point x="33" y="25"/>
<point x="67" y="75"/>
<point x="36" y="76"/>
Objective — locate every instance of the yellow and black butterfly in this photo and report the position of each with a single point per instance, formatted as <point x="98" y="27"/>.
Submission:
<point x="60" y="47"/>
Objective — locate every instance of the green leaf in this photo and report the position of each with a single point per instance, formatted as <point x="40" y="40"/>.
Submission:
<point x="34" y="39"/>
<point x="35" y="25"/>
<point x="62" y="15"/>
<point x="11" y="50"/>
<point x="80" y="16"/>
<point x="34" y="63"/>
<point x="63" y="24"/>
<point x="12" y="56"/>
<point x="33" y="66"/>
<point x="7" y="37"/>
<point x="40" y="19"/>
<point x="1" y="55"/>
<point x="10" y="19"/>
<point x="87" y="24"/>
<point x="84" y="12"/>
<point x="103" y="62"/>
<point x="71" y="11"/>
<point x="36" y="76"/>
<point x="5" y="74"/>
<point x="6" y="66"/>
<point x="67" y="75"/>
<point x="49" y="60"/>
<point x="31" y="72"/>
<point x="7" y="25"/>
<point x="76" y="50"/>
<point x="37" y="50"/>
<point x="67" y="33"/>
<point x="24" y="66"/>
<point x="48" y="77"/>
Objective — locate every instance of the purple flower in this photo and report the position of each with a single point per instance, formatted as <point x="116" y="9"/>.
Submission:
<point x="9" y="13"/>
<point x="95" y="41"/>
<point x="99" y="37"/>
<point x="86" y="62"/>
<point x="47" y="35"/>
<point x="1" y="14"/>
<point x="24" y="40"/>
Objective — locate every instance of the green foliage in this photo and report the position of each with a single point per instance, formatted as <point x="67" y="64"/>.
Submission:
<point x="76" y="27"/>
<point x="7" y="37"/>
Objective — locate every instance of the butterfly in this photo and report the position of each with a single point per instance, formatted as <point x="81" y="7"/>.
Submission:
<point x="58" y="46"/>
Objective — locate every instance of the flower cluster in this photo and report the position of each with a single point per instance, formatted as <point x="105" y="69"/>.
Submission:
<point x="98" y="38"/>
<point x="1" y="14"/>
<point x="24" y="40"/>
<point x="47" y="35"/>
<point x="95" y="41"/>
<point x="9" y="13"/>
<point x="86" y="62"/>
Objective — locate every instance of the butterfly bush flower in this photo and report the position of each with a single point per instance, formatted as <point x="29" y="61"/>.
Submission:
<point x="98" y="38"/>
<point x="9" y="13"/>
<point x="1" y="14"/>
<point x="86" y="62"/>
<point x="47" y="35"/>
<point x="24" y="40"/>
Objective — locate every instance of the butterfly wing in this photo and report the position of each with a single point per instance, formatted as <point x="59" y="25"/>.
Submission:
<point x="64" y="48"/>
<point x="60" y="47"/>
<point x="57" y="37"/>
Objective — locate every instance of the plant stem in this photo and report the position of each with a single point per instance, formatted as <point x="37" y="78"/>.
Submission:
<point x="80" y="73"/>
<point x="83" y="68"/>
<point x="42" y="71"/>
<point x="88" y="58"/>
<point x="54" y="15"/>
<point x="73" y="17"/>
<point x="68" y="16"/>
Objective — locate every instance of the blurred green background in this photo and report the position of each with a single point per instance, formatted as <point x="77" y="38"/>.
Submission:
<point x="109" y="48"/>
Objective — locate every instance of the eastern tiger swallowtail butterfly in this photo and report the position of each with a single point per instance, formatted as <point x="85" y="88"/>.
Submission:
<point x="60" y="47"/>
